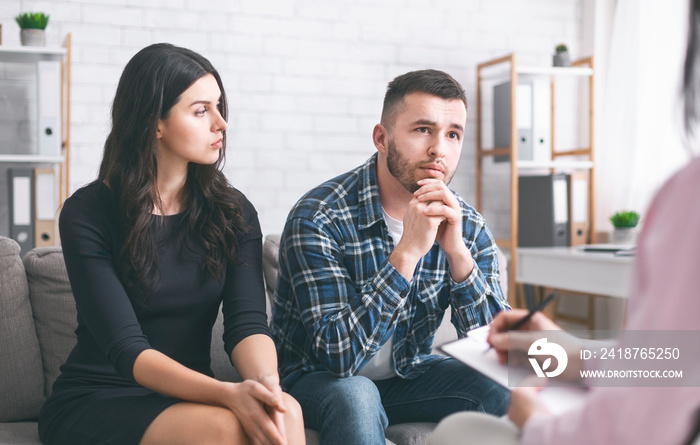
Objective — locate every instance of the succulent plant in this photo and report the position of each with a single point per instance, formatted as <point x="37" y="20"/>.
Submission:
<point x="625" y="219"/>
<point x="32" y="20"/>
<point x="561" y="48"/>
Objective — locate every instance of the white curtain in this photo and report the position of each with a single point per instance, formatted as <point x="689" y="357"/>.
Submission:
<point x="639" y="143"/>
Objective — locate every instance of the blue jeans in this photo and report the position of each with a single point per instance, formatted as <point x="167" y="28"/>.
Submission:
<point x="356" y="410"/>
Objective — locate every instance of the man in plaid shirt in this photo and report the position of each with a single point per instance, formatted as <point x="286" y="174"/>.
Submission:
<point x="370" y="260"/>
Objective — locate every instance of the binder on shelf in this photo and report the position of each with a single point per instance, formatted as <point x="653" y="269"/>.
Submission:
<point x="541" y="120"/>
<point x="578" y="208"/>
<point x="45" y="207"/>
<point x="21" y="188"/>
<point x="533" y="119"/>
<point x="49" y="107"/>
<point x="543" y="211"/>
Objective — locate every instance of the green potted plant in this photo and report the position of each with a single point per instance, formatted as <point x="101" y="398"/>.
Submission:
<point x="32" y="26"/>
<point x="624" y="227"/>
<point x="561" y="56"/>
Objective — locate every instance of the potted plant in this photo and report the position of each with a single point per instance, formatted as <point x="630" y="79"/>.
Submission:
<point x="32" y="26"/>
<point x="624" y="227"/>
<point x="561" y="56"/>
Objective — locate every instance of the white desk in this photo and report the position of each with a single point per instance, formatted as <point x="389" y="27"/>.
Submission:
<point x="573" y="269"/>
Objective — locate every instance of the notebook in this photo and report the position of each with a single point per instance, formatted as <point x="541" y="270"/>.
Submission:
<point x="473" y="351"/>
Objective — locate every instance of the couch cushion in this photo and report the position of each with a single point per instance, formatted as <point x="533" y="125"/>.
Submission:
<point x="22" y="381"/>
<point x="415" y="433"/>
<point x="271" y="261"/>
<point x="53" y="305"/>
<point x="19" y="433"/>
<point x="220" y="362"/>
<point x="402" y="434"/>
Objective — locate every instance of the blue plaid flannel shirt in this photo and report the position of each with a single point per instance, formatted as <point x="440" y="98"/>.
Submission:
<point x="337" y="293"/>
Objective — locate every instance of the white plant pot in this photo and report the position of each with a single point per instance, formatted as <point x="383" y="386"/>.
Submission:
<point x="32" y="37"/>
<point x="561" y="59"/>
<point x="624" y="236"/>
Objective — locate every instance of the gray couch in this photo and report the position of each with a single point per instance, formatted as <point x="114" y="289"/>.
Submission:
<point x="37" y="323"/>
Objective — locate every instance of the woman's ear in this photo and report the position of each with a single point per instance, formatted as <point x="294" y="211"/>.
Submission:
<point x="380" y="136"/>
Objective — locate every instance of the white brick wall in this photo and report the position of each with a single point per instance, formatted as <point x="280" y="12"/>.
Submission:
<point x="305" y="78"/>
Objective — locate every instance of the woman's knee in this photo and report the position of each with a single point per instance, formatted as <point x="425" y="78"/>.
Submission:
<point x="225" y="428"/>
<point x="194" y="423"/>
<point x="293" y="420"/>
<point x="293" y="408"/>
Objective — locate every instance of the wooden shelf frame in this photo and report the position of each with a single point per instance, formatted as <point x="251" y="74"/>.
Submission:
<point x="583" y="67"/>
<point x="64" y="173"/>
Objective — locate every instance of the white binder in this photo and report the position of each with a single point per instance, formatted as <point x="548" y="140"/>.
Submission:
<point x="21" y="208"/>
<point x="49" y="107"/>
<point x="45" y="207"/>
<point x="578" y="208"/>
<point x="533" y="119"/>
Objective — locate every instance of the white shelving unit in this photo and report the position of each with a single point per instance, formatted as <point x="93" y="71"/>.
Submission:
<point x="32" y="158"/>
<point x="59" y="161"/>
<point x="553" y="71"/>
<point x="29" y="54"/>
<point x="507" y="69"/>
<point x="559" y="164"/>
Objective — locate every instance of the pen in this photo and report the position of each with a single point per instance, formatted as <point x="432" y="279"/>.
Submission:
<point x="545" y="301"/>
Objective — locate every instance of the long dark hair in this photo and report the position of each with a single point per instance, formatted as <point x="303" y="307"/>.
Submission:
<point x="150" y="85"/>
<point x="691" y="92"/>
<point x="691" y="76"/>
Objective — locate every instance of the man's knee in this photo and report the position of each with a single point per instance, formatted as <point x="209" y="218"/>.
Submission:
<point x="491" y="398"/>
<point x="354" y="412"/>
<point x="355" y="397"/>
<point x="496" y="401"/>
<point x="340" y="404"/>
<point x="466" y="389"/>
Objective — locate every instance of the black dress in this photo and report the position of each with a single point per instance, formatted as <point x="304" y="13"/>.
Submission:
<point x="95" y="400"/>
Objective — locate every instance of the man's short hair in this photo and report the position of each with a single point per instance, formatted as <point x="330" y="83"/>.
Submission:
<point x="435" y="82"/>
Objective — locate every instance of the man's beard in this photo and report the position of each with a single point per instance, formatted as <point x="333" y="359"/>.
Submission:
<point x="404" y="171"/>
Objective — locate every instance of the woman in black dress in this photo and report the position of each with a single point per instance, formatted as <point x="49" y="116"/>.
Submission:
<point x="152" y="248"/>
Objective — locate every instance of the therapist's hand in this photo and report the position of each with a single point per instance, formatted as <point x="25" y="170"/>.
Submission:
<point x="498" y="334"/>
<point x="525" y="403"/>
<point x="512" y="347"/>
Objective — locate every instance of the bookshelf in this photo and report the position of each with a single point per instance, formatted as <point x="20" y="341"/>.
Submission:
<point x="24" y="120"/>
<point x="507" y="69"/>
